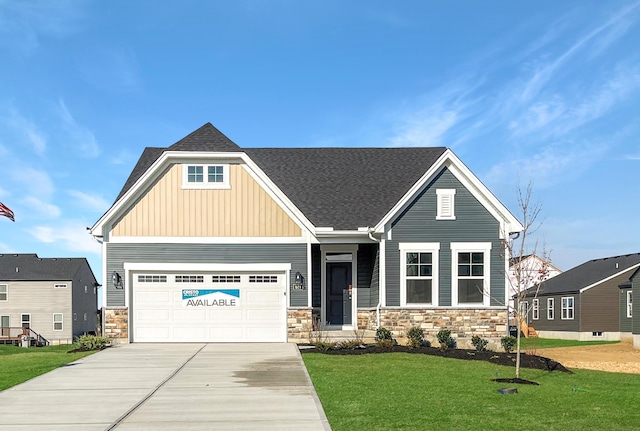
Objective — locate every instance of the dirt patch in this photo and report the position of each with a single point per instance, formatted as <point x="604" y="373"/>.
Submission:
<point x="499" y="358"/>
<point x="616" y="358"/>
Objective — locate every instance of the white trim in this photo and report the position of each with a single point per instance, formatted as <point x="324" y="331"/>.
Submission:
<point x="382" y="273"/>
<point x="420" y="247"/>
<point x="6" y="285"/>
<point x="535" y="309"/>
<point x="338" y="248"/>
<point x="471" y="247"/>
<point x="608" y="278"/>
<point x="309" y="279"/>
<point x="441" y="195"/>
<point x="205" y="184"/>
<point x="629" y="303"/>
<point x="208" y="240"/>
<point x="61" y="322"/>
<point x="551" y="308"/>
<point x="563" y="308"/>
<point x="22" y="321"/>
<point x="508" y="223"/>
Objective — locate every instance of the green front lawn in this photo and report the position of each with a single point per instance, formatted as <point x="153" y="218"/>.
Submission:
<point x="546" y="343"/>
<point x="18" y="364"/>
<point x="400" y="391"/>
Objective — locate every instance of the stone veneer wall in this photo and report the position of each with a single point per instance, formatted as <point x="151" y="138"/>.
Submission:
<point x="116" y="325"/>
<point x="300" y="323"/>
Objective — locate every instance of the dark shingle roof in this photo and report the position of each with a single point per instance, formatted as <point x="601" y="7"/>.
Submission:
<point x="343" y="188"/>
<point x="30" y="267"/>
<point x="588" y="273"/>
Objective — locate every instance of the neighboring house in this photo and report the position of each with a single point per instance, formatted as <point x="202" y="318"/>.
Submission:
<point x="533" y="271"/>
<point x="53" y="297"/>
<point x="626" y="307"/>
<point x="582" y="303"/>
<point x="208" y="241"/>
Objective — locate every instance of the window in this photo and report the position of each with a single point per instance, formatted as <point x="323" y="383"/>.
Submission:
<point x="75" y="317"/>
<point x="263" y="279"/>
<point x="85" y="289"/>
<point x="419" y="273"/>
<point x="225" y="278"/>
<point x="535" y="310"/>
<point x="596" y="334"/>
<point x="25" y="320"/>
<point x="5" y="324"/>
<point x="60" y="286"/>
<point x="85" y="317"/>
<point x="446" y="204"/>
<point x="57" y="321"/>
<point x="524" y="308"/>
<point x="567" y="308"/>
<point x="4" y="292"/>
<point x="470" y="273"/>
<point x="152" y="279"/>
<point x="189" y="278"/>
<point x="205" y="176"/>
<point x="629" y="304"/>
<point x="550" y="308"/>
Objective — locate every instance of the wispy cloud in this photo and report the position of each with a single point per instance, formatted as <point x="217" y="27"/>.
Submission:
<point x="24" y="129"/>
<point x="89" y="202"/>
<point x="41" y="208"/>
<point x="31" y="181"/>
<point x="70" y="235"/>
<point x="80" y="137"/>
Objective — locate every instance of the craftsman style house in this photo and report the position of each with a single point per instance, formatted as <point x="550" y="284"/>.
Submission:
<point x="208" y="241"/>
<point x="50" y="300"/>
<point x="584" y="303"/>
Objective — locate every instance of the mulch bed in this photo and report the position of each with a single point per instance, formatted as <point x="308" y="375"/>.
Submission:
<point x="499" y="358"/>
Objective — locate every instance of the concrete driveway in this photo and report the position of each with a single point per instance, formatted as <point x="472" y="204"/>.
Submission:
<point x="171" y="387"/>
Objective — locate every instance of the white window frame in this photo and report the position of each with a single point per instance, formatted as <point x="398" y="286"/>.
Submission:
<point x="629" y="303"/>
<point x="446" y="206"/>
<point x="565" y="309"/>
<point x="205" y="184"/>
<point x="22" y="321"/>
<point x="419" y="247"/>
<point x="4" y="287"/>
<point x="551" y="311"/>
<point x="535" y="309"/>
<point x="60" y="285"/>
<point x="61" y="322"/>
<point x="471" y="247"/>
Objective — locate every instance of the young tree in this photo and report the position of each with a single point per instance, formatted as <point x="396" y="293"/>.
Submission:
<point x="526" y="274"/>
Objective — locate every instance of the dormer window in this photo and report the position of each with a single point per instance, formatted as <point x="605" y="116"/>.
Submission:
<point x="205" y="176"/>
<point x="446" y="204"/>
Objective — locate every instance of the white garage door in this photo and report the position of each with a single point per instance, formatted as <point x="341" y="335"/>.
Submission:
<point x="239" y="307"/>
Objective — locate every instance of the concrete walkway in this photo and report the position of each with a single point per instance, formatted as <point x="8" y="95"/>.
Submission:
<point x="171" y="387"/>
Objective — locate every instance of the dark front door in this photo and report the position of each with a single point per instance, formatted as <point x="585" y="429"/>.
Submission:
<point x="339" y="293"/>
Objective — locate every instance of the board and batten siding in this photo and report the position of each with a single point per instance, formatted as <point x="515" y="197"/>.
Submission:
<point x="243" y="210"/>
<point x="118" y="254"/>
<point x="418" y="223"/>
<point x="40" y="299"/>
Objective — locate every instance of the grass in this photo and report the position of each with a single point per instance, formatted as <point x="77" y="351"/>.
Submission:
<point x="400" y="391"/>
<point x="19" y="364"/>
<point x="546" y="343"/>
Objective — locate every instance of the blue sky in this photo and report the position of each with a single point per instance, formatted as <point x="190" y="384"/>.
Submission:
<point x="544" y="91"/>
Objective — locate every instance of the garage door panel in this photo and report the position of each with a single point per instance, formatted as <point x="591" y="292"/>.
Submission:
<point x="206" y="312"/>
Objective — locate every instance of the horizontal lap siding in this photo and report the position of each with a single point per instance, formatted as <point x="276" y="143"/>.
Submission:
<point x="636" y="308"/>
<point x="418" y="224"/>
<point x="626" y="323"/>
<point x="557" y="324"/>
<point x="117" y="254"/>
<point x="601" y="305"/>
<point x="366" y="262"/>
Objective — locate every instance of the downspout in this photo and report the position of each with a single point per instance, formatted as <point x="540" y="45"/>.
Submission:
<point x="372" y="238"/>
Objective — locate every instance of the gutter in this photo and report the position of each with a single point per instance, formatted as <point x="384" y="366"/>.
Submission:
<point x="372" y="238"/>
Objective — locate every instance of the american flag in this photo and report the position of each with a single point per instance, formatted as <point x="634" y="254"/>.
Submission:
<point x="4" y="211"/>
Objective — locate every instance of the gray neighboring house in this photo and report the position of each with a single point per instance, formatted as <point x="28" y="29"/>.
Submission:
<point x="54" y="297"/>
<point x="587" y="302"/>
<point x="630" y="326"/>
<point x="211" y="242"/>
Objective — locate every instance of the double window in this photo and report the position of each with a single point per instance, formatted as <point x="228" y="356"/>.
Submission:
<point x="470" y="273"/>
<point x="205" y="176"/>
<point x="419" y="273"/>
<point x="567" y="308"/>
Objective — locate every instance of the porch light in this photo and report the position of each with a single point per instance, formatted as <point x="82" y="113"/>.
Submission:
<point x="117" y="280"/>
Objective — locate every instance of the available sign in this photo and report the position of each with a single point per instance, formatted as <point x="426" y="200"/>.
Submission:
<point x="210" y="297"/>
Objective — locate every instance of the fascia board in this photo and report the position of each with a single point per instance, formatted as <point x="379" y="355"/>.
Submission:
<point x="584" y="289"/>
<point x="469" y="180"/>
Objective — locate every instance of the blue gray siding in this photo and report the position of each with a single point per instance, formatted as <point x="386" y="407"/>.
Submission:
<point x="557" y="324"/>
<point x="418" y="223"/>
<point x="626" y="323"/>
<point x="117" y="254"/>
<point x="84" y="301"/>
<point x="635" y="288"/>
<point x="367" y="254"/>
<point x="316" y="278"/>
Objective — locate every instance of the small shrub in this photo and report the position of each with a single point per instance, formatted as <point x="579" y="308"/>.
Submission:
<point x="385" y="344"/>
<point x="348" y="344"/>
<point x="92" y="342"/>
<point x="508" y="343"/>
<point x="479" y="343"/>
<point x="446" y="340"/>
<point x="323" y="345"/>
<point x="415" y="337"/>
<point x="383" y="333"/>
